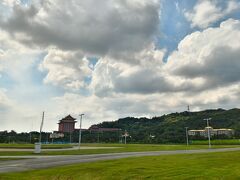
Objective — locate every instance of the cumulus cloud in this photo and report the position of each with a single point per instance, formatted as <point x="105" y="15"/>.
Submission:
<point x="67" y="69"/>
<point x="15" y="59"/>
<point x="113" y="29"/>
<point x="110" y="108"/>
<point x="209" y="58"/>
<point x="16" y="63"/>
<point x="10" y="3"/>
<point x="222" y="67"/>
<point x="140" y="74"/>
<point x="207" y="12"/>
<point x="204" y="60"/>
<point x="103" y="27"/>
<point x="4" y="100"/>
<point x="130" y="77"/>
<point x="98" y="109"/>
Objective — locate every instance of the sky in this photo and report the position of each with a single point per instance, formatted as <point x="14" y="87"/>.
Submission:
<point x="115" y="58"/>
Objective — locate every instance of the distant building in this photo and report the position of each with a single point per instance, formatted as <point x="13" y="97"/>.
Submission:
<point x="67" y="124"/>
<point x="204" y="132"/>
<point x="95" y="128"/>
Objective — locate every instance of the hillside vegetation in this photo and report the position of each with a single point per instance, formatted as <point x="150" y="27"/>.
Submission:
<point x="171" y="127"/>
<point x="163" y="129"/>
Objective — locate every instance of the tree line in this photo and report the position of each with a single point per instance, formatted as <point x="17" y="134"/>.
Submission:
<point x="163" y="129"/>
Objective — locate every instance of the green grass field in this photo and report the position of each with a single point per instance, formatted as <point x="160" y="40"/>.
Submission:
<point x="191" y="166"/>
<point x="121" y="148"/>
<point x="217" y="142"/>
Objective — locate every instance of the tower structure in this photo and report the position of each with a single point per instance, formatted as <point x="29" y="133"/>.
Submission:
<point x="67" y="124"/>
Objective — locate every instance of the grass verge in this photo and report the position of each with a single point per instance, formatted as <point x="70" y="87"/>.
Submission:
<point x="122" y="148"/>
<point x="191" y="166"/>
<point x="217" y="142"/>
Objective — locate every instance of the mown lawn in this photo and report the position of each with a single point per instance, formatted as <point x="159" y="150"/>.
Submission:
<point x="217" y="142"/>
<point x="120" y="148"/>
<point x="190" y="166"/>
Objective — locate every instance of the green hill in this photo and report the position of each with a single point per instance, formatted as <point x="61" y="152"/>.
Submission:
<point x="164" y="129"/>
<point x="171" y="127"/>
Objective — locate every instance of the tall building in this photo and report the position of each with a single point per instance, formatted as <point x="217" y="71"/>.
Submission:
<point x="67" y="124"/>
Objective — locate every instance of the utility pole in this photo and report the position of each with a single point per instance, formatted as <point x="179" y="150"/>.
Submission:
<point x="30" y="138"/>
<point x="80" y="131"/>
<point x="38" y="145"/>
<point x="208" y="128"/>
<point x="47" y="138"/>
<point x="70" y="137"/>
<point x="125" y="137"/>
<point x="40" y="136"/>
<point x="30" y="133"/>
<point x="187" y="135"/>
<point x="98" y="137"/>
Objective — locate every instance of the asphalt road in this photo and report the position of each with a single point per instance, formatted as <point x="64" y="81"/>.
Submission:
<point x="40" y="162"/>
<point x="59" y="149"/>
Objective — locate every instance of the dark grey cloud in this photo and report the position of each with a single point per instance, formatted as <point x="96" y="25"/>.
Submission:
<point x="96" y="27"/>
<point x="126" y="78"/>
<point x="147" y="81"/>
<point x="144" y="82"/>
<point x="220" y="68"/>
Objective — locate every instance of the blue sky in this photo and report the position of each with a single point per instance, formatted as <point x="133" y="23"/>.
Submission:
<point x="121" y="59"/>
<point x="173" y="25"/>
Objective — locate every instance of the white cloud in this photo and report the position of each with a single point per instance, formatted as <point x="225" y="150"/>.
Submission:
<point x="203" y="72"/>
<point x="98" y="109"/>
<point x="67" y="69"/>
<point x="209" y="58"/>
<point x="15" y="59"/>
<point x="17" y="105"/>
<point x="207" y="12"/>
<point x="108" y="27"/>
<point x="130" y="77"/>
<point x="137" y="73"/>
<point x="10" y="3"/>
<point x="116" y="29"/>
<point x="204" y="60"/>
<point x="5" y="102"/>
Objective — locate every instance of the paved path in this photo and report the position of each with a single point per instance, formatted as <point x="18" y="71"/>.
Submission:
<point x="59" y="149"/>
<point x="51" y="161"/>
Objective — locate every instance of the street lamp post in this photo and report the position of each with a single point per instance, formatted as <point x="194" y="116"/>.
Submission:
<point x="80" y="131"/>
<point x="208" y="128"/>
<point x="125" y="140"/>
<point x="41" y="126"/>
<point x="125" y="136"/>
<point x="187" y="135"/>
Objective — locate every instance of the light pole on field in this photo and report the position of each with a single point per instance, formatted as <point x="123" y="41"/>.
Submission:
<point x="80" y="131"/>
<point x="41" y="126"/>
<point x="125" y="140"/>
<point x="125" y="136"/>
<point x="187" y="135"/>
<point x="208" y="128"/>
